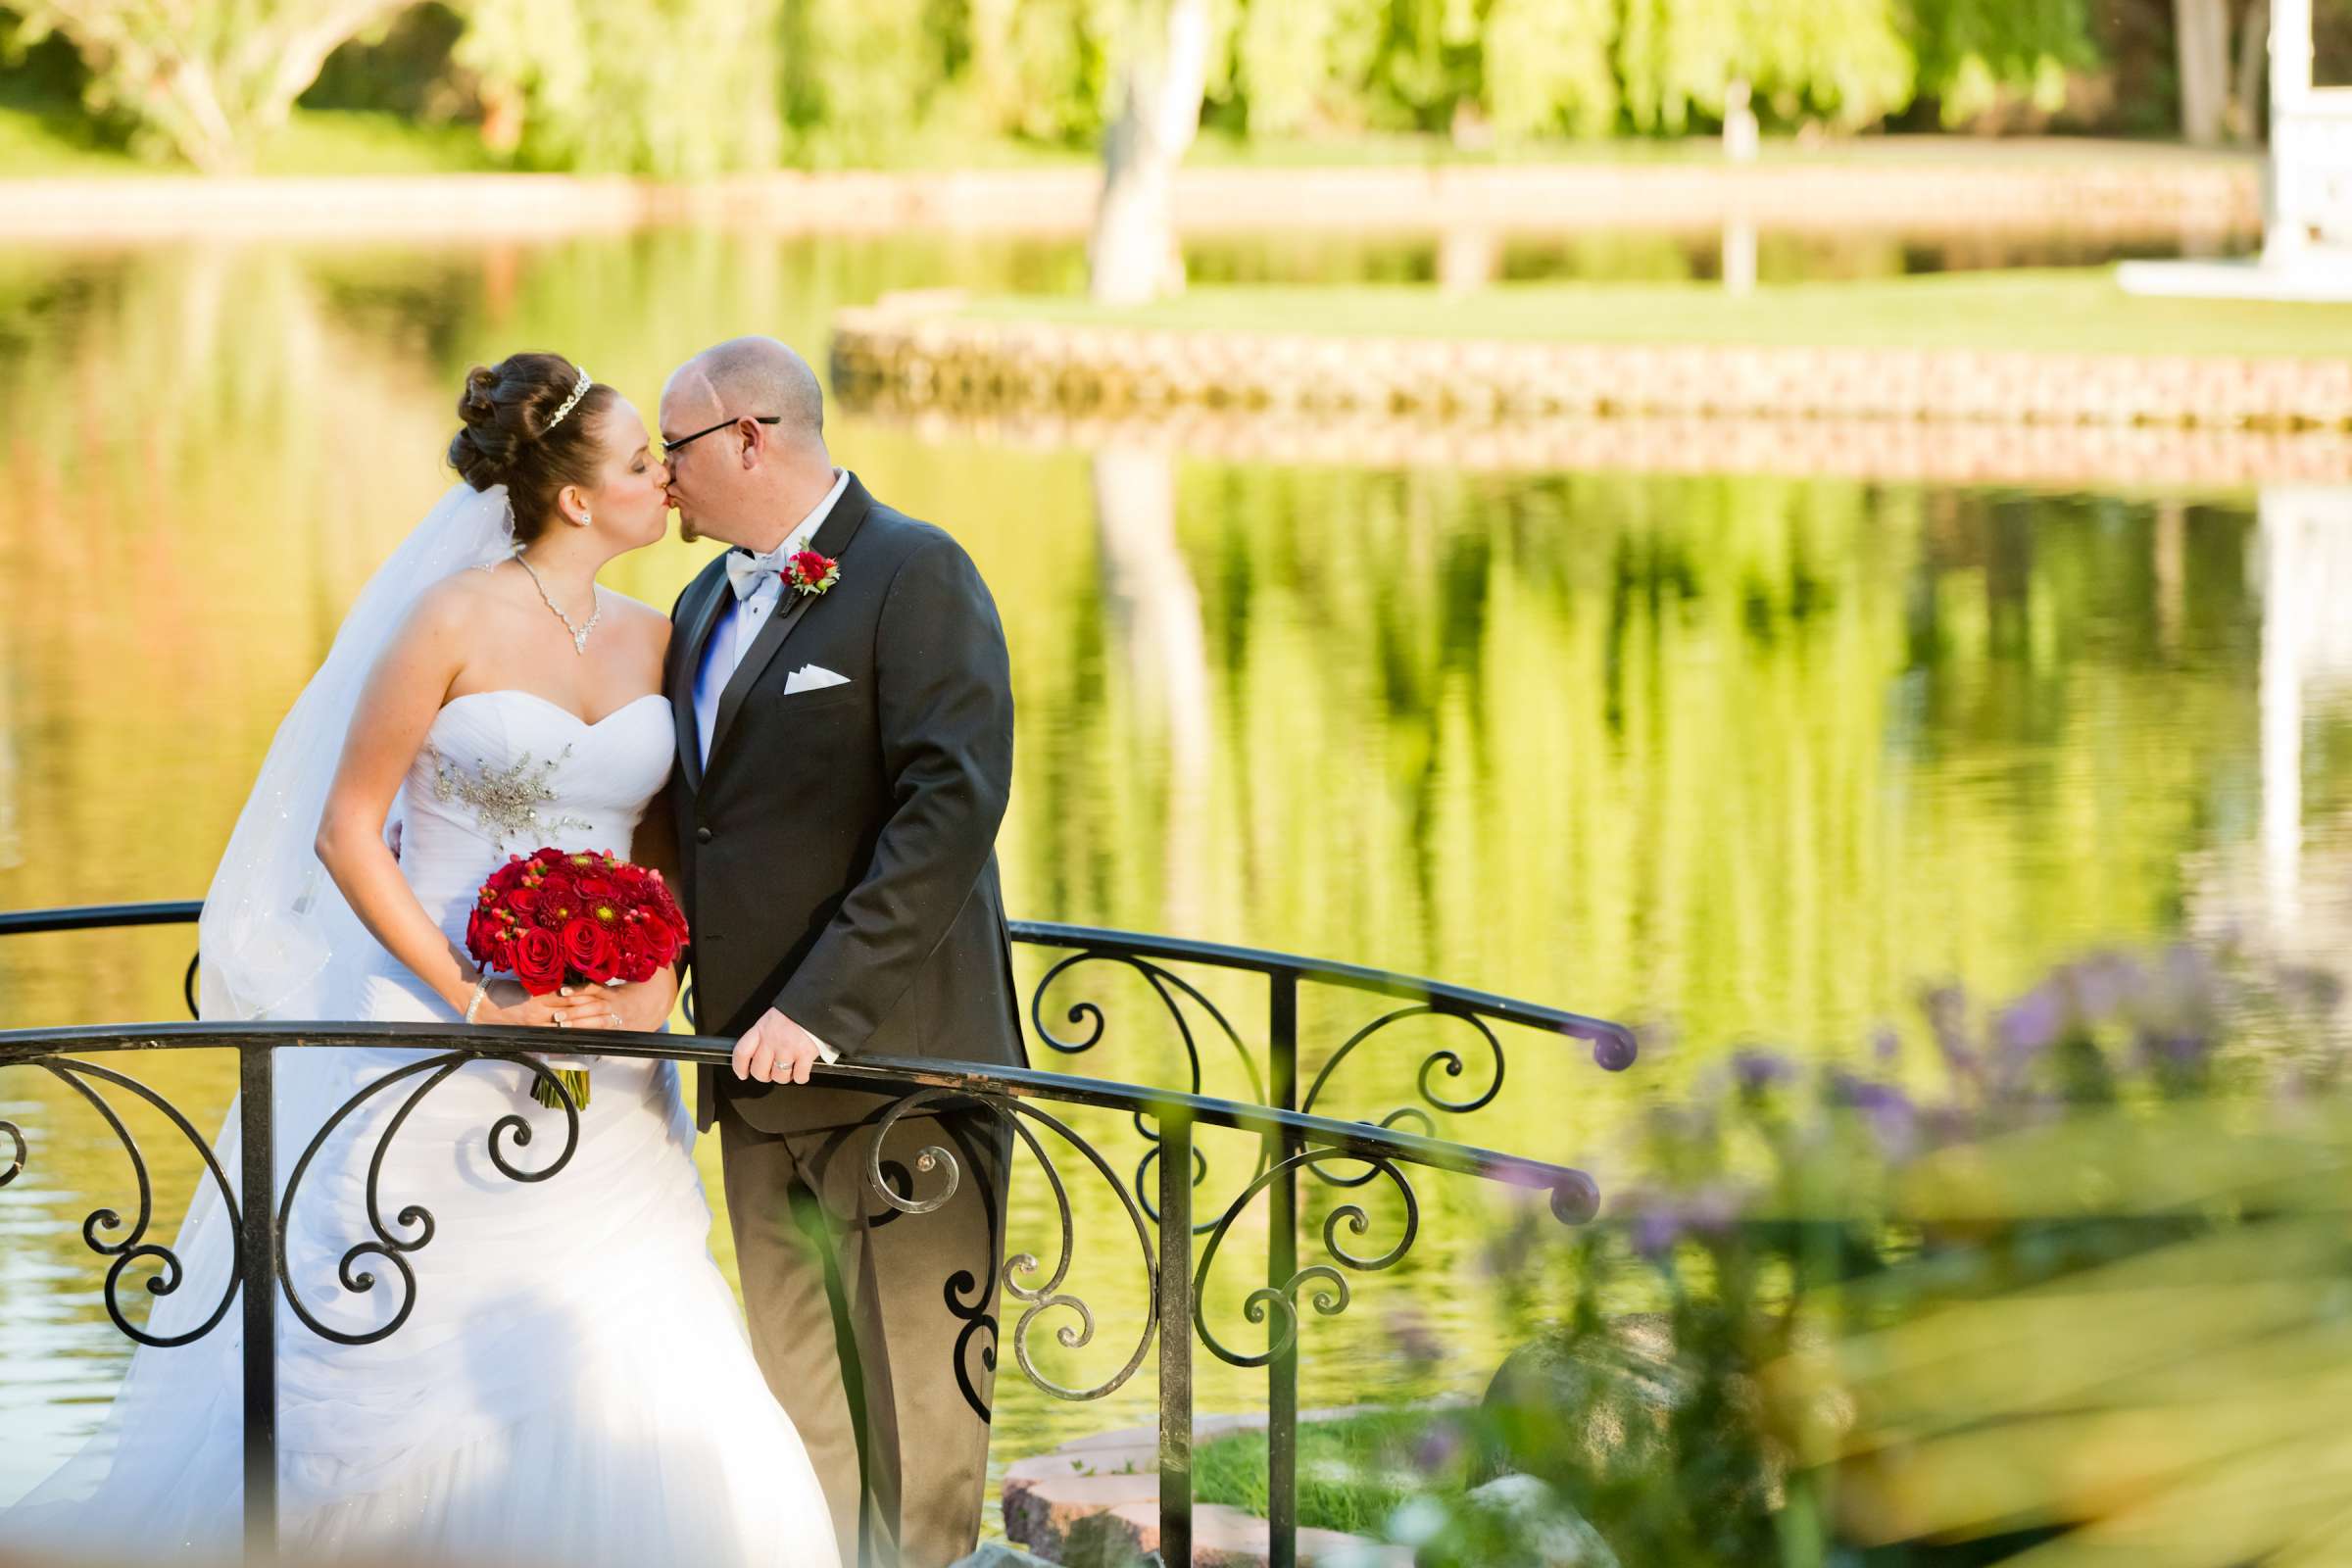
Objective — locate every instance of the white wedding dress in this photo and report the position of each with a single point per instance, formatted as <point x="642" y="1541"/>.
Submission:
<point x="572" y="1384"/>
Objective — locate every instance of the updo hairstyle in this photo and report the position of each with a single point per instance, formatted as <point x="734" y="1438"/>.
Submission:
<point x="505" y="439"/>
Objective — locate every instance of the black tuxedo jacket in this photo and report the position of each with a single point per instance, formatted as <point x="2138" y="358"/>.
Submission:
<point x="838" y="852"/>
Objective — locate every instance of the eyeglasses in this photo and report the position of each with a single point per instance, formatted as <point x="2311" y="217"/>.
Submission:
<point x="670" y="449"/>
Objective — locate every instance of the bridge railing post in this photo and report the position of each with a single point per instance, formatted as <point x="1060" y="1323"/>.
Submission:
<point x="257" y="1258"/>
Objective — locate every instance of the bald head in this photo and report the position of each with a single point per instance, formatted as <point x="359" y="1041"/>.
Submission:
<point x="758" y="375"/>
<point x="731" y="478"/>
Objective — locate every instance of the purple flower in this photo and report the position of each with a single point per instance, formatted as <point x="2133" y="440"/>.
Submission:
<point x="1755" y="1070"/>
<point x="1888" y="1112"/>
<point x="2102" y="984"/>
<point x="2032" y="1024"/>
<point x="1438" y="1447"/>
<point x="2174" y="1048"/>
<point x="1656" y="1229"/>
<point x="1665" y="1219"/>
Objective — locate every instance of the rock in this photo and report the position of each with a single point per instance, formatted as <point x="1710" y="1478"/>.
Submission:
<point x="1539" y="1529"/>
<point x="1511" y="1522"/>
<point x="1593" y="1406"/>
<point x="997" y="1555"/>
<point x="1115" y="1537"/>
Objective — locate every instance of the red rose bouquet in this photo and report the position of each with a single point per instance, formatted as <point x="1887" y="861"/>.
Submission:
<point x="553" y="919"/>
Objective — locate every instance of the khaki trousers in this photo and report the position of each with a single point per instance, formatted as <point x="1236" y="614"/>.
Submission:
<point x="875" y="1328"/>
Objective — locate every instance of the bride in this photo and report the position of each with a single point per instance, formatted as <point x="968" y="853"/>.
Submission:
<point x="572" y="1383"/>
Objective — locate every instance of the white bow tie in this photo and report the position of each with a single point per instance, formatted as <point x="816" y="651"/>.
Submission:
<point x="745" y="570"/>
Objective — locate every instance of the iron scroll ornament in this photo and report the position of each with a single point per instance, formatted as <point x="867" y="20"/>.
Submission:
<point x="1163" y="983"/>
<point x="391" y="1247"/>
<point x="132" y="1248"/>
<point x="1574" y="1199"/>
<point x="1040" y="1295"/>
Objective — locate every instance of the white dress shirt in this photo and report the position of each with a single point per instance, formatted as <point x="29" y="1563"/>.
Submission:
<point x="740" y="622"/>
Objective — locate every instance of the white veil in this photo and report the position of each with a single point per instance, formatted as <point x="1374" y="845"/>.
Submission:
<point x="275" y="929"/>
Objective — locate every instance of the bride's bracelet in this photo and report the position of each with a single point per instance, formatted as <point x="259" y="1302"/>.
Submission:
<point x="481" y="989"/>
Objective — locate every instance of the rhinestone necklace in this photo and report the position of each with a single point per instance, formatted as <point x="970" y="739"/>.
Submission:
<point x="579" y="634"/>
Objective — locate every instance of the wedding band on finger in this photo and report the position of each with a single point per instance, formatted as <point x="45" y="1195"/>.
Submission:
<point x="562" y="1022"/>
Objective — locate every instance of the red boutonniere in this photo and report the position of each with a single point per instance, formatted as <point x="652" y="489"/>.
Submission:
<point x="806" y="571"/>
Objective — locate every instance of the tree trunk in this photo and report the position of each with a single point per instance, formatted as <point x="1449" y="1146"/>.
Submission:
<point x="2253" y="71"/>
<point x="2201" y="40"/>
<point x="192" y="117"/>
<point x="290" y="63"/>
<point x="1132" y="255"/>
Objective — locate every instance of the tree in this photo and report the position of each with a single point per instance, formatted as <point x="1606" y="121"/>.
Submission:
<point x="671" y="87"/>
<point x="2201" y="42"/>
<point x="205" y="78"/>
<point x="1972" y="53"/>
<point x="1843" y="61"/>
<point x="1546" y="62"/>
<point x="1132" y="255"/>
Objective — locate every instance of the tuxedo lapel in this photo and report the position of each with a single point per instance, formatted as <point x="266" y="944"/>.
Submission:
<point x="694" y="630"/>
<point x="832" y="539"/>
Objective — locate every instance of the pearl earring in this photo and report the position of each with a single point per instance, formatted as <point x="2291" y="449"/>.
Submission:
<point x="584" y="520"/>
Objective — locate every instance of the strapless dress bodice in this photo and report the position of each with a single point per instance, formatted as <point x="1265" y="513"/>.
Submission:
<point x="504" y="772"/>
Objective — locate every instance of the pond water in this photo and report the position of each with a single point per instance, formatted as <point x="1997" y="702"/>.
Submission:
<point x="1741" y="758"/>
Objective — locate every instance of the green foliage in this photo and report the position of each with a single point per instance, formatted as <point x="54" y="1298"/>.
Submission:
<point x="689" y="87"/>
<point x="669" y="87"/>
<point x="1282" y="64"/>
<point x="1548" y="67"/>
<point x="1842" y="62"/>
<point x="1876" y="1307"/>
<point x="203" y="81"/>
<point x="1969" y="50"/>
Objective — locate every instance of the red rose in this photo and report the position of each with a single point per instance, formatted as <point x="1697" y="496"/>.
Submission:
<point x="525" y="901"/>
<point x="538" y="960"/>
<point x="588" y="947"/>
<point x="811" y="572"/>
<point x="639" y="958"/>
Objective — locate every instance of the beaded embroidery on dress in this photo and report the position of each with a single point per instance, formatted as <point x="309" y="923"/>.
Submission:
<point x="506" y="801"/>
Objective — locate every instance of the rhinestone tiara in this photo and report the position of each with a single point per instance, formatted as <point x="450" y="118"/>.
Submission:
<point x="578" y="392"/>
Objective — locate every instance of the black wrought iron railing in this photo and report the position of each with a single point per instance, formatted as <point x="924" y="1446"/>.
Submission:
<point x="1177" y="1247"/>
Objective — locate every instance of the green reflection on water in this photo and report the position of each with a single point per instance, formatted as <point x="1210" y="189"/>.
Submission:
<point x="1754" y="755"/>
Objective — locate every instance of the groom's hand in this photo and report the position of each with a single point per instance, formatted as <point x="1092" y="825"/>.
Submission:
<point x="777" y="1050"/>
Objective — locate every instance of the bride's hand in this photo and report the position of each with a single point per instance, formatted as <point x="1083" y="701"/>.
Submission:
<point x="644" y="1007"/>
<point x="507" y="1005"/>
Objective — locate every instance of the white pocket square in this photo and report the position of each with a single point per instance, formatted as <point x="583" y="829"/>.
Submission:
<point x="812" y="678"/>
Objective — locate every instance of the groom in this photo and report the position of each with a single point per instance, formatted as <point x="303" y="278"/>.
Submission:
<point x="844" y="748"/>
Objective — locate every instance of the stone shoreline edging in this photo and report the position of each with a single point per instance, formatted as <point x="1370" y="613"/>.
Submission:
<point x="1102" y="1492"/>
<point x="2082" y="188"/>
<point x="915" y="352"/>
<point x="1891" y="451"/>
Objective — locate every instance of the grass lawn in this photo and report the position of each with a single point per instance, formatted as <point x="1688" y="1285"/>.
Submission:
<point x="1377" y="147"/>
<point x="1353" y="1473"/>
<point x="44" y="141"/>
<point x="2071" y="311"/>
